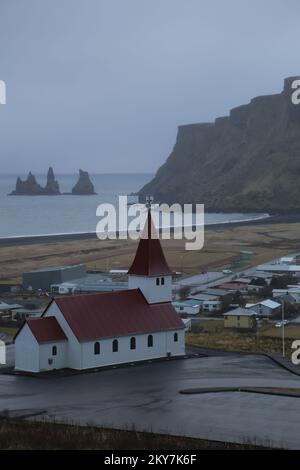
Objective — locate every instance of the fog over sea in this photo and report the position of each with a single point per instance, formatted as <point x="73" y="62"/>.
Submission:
<point x="48" y="215"/>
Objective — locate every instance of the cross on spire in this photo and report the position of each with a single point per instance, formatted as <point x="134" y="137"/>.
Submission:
<point x="149" y="201"/>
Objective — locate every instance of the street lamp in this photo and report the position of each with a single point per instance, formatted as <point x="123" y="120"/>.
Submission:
<point x="282" y="319"/>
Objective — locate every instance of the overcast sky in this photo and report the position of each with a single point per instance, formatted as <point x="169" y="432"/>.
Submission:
<point x="103" y="84"/>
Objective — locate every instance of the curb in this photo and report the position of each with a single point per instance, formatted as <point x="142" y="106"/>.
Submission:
<point x="260" y="391"/>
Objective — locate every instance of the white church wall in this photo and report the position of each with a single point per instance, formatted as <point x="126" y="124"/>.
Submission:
<point x="58" y="361"/>
<point x="163" y="343"/>
<point x="153" y="293"/>
<point x="26" y="351"/>
<point x="73" y="350"/>
<point x="176" y="348"/>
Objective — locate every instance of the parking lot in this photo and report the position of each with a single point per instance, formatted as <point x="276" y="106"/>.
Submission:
<point x="148" y="398"/>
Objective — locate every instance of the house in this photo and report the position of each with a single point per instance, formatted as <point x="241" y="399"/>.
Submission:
<point x="103" y="329"/>
<point x="235" y="287"/>
<point x="280" y="268"/>
<point x="209" y="303"/>
<point x="44" y="278"/>
<point x="265" y="308"/>
<point x="286" y="298"/>
<point x="23" y="313"/>
<point x="223" y="295"/>
<point x="255" y="288"/>
<point x="189" y="306"/>
<point x="267" y="277"/>
<point x="187" y="324"/>
<point x="241" y="318"/>
<point x="7" y="310"/>
<point x="291" y="291"/>
<point x="246" y="255"/>
<point x="287" y="260"/>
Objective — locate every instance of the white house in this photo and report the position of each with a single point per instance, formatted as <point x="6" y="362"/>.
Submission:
<point x="209" y="303"/>
<point x="292" y="291"/>
<point x="187" y="324"/>
<point x="265" y="308"/>
<point x="189" y="306"/>
<point x="96" y="330"/>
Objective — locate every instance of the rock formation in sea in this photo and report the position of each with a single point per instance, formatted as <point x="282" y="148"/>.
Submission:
<point x="84" y="186"/>
<point x="247" y="161"/>
<point x="30" y="187"/>
<point x="52" y="186"/>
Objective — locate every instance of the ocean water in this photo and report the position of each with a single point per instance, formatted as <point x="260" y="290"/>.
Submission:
<point x="46" y="215"/>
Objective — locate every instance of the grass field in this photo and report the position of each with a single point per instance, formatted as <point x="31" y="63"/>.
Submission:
<point x="268" y="339"/>
<point x="221" y="247"/>
<point x="8" y="331"/>
<point x="17" y="434"/>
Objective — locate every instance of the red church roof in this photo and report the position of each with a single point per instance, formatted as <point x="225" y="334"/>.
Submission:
<point x="113" y="314"/>
<point x="46" y="329"/>
<point x="149" y="259"/>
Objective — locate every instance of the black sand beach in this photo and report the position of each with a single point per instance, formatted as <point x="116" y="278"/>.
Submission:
<point x="288" y="218"/>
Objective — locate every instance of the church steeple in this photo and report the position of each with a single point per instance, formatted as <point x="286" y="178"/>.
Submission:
<point x="150" y="271"/>
<point x="149" y="259"/>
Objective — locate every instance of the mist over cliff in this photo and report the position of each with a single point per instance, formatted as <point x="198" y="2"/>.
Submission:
<point x="247" y="161"/>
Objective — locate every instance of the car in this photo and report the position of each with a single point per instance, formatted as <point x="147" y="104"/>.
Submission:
<point x="278" y="324"/>
<point x="227" y="271"/>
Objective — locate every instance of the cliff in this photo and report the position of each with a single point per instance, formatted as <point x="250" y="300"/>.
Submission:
<point x="247" y="161"/>
<point x="84" y="186"/>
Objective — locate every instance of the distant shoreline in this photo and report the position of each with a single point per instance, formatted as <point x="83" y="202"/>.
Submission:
<point x="52" y="238"/>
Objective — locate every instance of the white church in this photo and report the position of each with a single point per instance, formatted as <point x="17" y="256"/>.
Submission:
<point x="97" y="330"/>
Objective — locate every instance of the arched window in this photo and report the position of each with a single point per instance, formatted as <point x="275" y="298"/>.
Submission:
<point x="150" y="341"/>
<point x="175" y="337"/>
<point x="97" y="348"/>
<point x="54" y="350"/>
<point x="157" y="281"/>
<point x="132" y="343"/>
<point x="115" y="345"/>
<point x="162" y="281"/>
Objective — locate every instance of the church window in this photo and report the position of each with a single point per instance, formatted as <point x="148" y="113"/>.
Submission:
<point x="175" y="337"/>
<point x="132" y="343"/>
<point x="54" y="350"/>
<point x="157" y="281"/>
<point x="115" y="345"/>
<point x="97" y="348"/>
<point x="150" y="341"/>
<point x="162" y="281"/>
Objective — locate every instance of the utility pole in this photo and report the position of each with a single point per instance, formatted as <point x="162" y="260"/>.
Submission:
<point x="282" y="318"/>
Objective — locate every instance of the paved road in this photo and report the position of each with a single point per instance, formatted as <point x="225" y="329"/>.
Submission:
<point x="215" y="278"/>
<point x="147" y="396"/>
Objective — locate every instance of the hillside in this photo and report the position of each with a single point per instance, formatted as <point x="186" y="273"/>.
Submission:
<point x="247" y="161"/>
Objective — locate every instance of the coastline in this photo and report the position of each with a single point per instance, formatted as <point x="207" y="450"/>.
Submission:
<point x="288" y="218"/>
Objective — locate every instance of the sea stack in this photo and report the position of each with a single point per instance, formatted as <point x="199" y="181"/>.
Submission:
<point x="28" y="187"/>
<point x="52" y="186"/>
<point x="84" y="186"/>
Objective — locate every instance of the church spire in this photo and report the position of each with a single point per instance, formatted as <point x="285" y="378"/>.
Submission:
<point x="149" y="259"/>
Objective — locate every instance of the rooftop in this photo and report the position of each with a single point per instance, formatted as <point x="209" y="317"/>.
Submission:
<point x="113" y="314"/>
<point x="267" y="303"/>
<point x="204" y="297"/>
<point x="45" y="329"/>
<point x="240" y="312"/>
<point x="187" y="302"/>
<point x="216" y="291"/>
